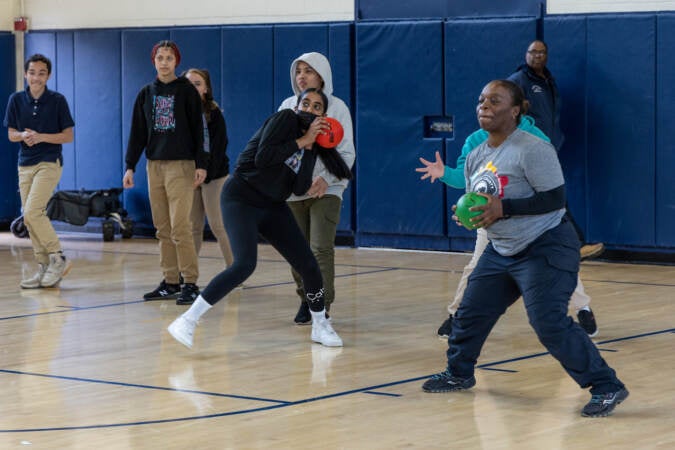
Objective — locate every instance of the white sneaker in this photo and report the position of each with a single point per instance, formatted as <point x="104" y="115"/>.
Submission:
<point x="33" y="282"/>
<point x="183" y="330"/>
<point x="324" y="334"/>
<point x="58" y="268"/>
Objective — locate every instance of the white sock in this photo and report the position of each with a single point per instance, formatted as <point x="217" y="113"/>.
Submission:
<point x="317" y="317"/>
<point x="585" y="308"/>
<point x="198" y="308"/>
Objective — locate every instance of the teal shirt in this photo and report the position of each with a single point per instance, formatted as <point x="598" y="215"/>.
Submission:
<point x="455" y="177"/>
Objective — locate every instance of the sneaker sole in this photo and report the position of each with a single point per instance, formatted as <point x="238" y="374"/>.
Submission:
<point x="606" y="413"/>
<point x="592" y="255"/>
<point x="309" y="322"/>
<point x="166" y="297"/>
<point x="443" y="391"/>
<point x="328" y="344"/>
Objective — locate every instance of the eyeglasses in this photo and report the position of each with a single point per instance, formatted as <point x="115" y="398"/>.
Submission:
<point x="537" y="52"/>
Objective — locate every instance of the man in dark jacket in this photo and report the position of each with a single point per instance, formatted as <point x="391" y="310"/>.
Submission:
<point x="541" y="91"/>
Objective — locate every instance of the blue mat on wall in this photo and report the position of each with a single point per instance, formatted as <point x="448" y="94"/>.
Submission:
<point x="399" y="72"/>
<point x="621" y="82"/>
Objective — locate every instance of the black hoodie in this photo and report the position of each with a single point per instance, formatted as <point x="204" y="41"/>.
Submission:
<point x="167" y="123"/>
<point x="268" y="162"/>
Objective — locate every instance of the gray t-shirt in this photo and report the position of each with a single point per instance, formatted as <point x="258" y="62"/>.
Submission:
<point x="521" y="166"/>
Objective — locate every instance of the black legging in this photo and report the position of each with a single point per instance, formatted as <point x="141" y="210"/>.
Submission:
<point x="275" y="222"/>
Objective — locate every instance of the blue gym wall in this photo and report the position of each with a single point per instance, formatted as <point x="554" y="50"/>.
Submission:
<point x="9" y="197"/>
<point x="615" y="73"/>
<point x="101" y="71"/>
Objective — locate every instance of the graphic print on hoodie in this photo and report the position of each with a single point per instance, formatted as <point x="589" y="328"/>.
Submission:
<point x="163" y="113"/>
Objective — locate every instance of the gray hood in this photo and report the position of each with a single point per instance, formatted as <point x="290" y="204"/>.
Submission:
<point x="319" y="63"/>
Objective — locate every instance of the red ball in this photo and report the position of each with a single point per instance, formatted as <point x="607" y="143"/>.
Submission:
<point x="332" y="137"/>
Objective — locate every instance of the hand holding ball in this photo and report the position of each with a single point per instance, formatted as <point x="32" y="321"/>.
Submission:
<point x="466" y="201"/>
<point x="331" y="137"/>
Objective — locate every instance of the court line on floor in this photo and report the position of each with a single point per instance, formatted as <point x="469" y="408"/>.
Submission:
<point x="282" y="404"/>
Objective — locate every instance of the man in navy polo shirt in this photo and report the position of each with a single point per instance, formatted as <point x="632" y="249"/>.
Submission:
<point x="39" y="119"/>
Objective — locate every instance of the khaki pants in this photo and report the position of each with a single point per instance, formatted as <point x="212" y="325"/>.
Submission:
<point x="578" y="300"/>
<point x="206" y="204"/>
<point x="36" y="186"/>
<point x="171" y="195"/>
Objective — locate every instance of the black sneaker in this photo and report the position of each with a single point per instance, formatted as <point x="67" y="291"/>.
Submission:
<point x="164" y="291"/>
<point x="446" y="328"/>
<point x="188" y="294"/>
<point x="602" y="405"/>
<point x="303" y="317"/>
<point x="446" y="382"/>
<point x="587" y="322"/>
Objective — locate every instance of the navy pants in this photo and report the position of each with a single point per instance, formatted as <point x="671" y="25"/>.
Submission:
<point x="545" y="274"/>
<point x="244" y="218"/>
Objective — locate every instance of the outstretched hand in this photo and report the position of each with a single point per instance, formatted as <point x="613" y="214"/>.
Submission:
<point x="433" y="170"/>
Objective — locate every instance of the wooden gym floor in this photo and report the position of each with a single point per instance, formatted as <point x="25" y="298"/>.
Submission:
<point x="91" y="366"/>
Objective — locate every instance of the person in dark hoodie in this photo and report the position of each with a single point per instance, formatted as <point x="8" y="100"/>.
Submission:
<point x="207" y="196"/>
<point x="277" y="161"/>
<point x="167" y="124"/>
<point x="541" y="90"/>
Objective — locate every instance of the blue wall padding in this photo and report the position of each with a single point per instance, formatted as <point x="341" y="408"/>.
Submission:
<point x="10" y="202"/>
<point x="64" y="74"/>
<point x="621" y="82"/>
<point x="99" y="108"/>
<point x="247" y="83"/>
<point x="201" y="48"/>
<point x="665" y="131"/>
<point x="617" y="158"/>
<point x="399" y="80"/>
<point x="566" y="38"/>
<point x="386" y="9"/>
<point x="340" y="54"/>
<point x="476" y="52"/>
<point x="137" y="71"/>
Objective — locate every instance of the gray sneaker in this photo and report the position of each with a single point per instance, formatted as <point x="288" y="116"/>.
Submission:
<point x="57" y="269"/>
<point x="34" y="281"/>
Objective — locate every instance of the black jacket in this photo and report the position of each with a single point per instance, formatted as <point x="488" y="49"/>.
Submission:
<point x="266" y="162"/>
<point x="544" y="99"/>
<point x="219" y="163"/>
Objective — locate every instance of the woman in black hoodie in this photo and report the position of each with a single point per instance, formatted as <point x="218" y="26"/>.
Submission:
<point x="207" y="196"/>
<point x="167" y="124"/>
<point x="277" y="161"/>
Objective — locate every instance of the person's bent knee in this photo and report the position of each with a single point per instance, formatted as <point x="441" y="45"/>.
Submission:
<point x="243" y="269"/>
<point x="32" y="215"/>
